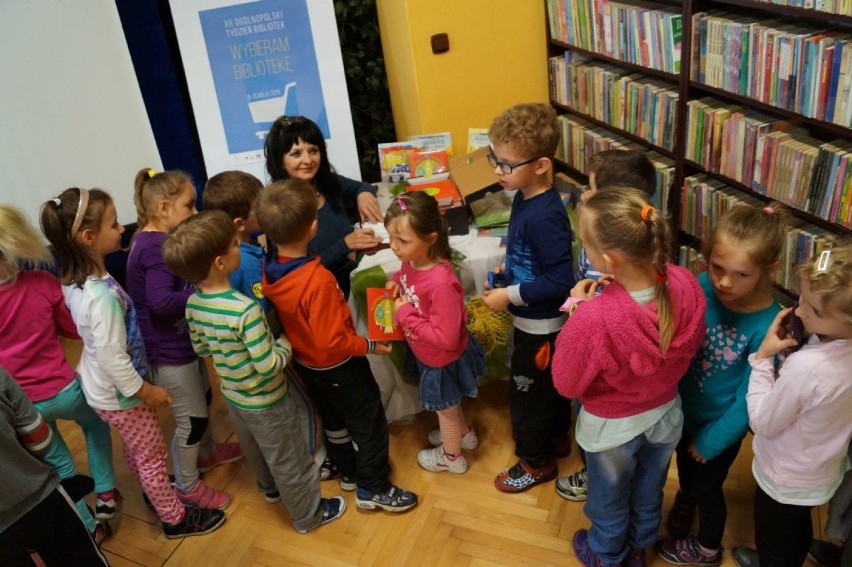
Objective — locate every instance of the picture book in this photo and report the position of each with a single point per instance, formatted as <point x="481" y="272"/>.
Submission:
<point x="477" y="138"/>
<point x="493" y="208"/>
<point x="430" y="142"/>
<point x="393" y="160"/>
<point x="444" y="190"/>
<point x="426" y="163"/>
<point x="380" y="323"/>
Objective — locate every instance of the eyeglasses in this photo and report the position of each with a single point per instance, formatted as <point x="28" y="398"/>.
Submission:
<point x="505" y="167"/>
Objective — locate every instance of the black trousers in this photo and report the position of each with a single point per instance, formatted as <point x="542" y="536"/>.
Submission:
<point x="782" y="532"/>
<point x="348" y="398"/>
<point x="539" y="414"/>
<point x="701" y="485"/>
<point x="55" y="531"/>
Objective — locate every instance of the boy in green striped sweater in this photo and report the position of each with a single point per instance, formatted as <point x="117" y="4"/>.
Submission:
<point x="230" y="327"/>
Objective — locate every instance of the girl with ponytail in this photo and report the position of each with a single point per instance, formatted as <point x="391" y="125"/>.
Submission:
<point x="622" y="354"/>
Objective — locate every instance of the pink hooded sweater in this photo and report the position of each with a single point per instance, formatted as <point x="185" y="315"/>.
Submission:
<point x="608" y="353"/>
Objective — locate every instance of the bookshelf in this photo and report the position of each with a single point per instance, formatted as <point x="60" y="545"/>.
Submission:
<point x="741" y="120"/>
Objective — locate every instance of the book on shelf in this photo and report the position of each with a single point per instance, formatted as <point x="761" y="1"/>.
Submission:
<point x="380" y="321"/>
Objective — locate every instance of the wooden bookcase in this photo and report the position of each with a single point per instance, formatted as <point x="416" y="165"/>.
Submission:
<point x="688" y="90"/>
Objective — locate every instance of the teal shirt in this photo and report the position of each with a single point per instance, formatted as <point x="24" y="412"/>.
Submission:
<point x="713" y="391"/>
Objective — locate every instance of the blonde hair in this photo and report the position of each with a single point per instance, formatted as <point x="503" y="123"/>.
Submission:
<point x="761" y="231"/>
<point x="150" y="187"/>
<point x="618" y="224"/>
<point x="286" y="209"/>
<point x="19" y="242"/>
<point x="829" y="276"/>
<point x="531" y="128"/>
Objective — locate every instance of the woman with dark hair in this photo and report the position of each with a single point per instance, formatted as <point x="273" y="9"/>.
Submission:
<point x="295" y="148"/>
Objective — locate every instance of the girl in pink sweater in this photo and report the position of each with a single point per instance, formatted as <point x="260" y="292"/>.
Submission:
<point x="622" y="354"/>
<point x="33" y="316"/>
<point x="430" y="309"/>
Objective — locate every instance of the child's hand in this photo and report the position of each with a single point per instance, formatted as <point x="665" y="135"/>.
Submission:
<point x="382" y="348"/>
<point x="393" y="287"/>
<point x="695" y="454"/>
<point x="585" y="289"/>
<point x="496" y="299"/>
<point x="154" y="396"/>
<point x="777" y="336"/>
<point x="399" y="302"/>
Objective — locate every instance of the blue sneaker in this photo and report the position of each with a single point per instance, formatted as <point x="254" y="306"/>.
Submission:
<point x="394" y="499"/>
<point x="332" y="508"/>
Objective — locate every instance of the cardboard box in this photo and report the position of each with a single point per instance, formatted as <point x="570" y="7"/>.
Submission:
<point x="473" y="175"/>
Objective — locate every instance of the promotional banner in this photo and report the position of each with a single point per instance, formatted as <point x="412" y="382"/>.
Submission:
<point x="247" y="63"/>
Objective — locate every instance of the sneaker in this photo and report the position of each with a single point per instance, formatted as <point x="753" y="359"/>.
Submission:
<point x="574" y="486"/>
<point x="272" y="496"/>
<point x="332" y="508"/>
<point x="328" y="470"/>
<point x="468" y="443"/>
<point x="583" y="552"/>
<point x="223" y="453"/>
<point x="347" y="483"/>
<point x="687" y="552"/>
<point x="108" y="504"/>
<point x="204" y="497"/>
<point x="436" y="460"/>
<point x="679" y="520"/>
<point x="197" y="521"/>
<point x="745" y="557"/>
<point x="102" y="532"/>
<point x="635" y="558"/>
<point x="521" y="477"/>
<point x="825" y="553"/>
<point x="394" y="499"/>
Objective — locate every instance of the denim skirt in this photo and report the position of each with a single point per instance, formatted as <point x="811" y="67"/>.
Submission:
<point x="443" y="388"/>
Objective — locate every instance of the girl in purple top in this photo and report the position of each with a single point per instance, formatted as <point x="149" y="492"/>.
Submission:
<point x="163" y="200"/>
<point x="430" y="309"/>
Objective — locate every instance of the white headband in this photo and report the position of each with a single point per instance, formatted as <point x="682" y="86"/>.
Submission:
<point x="82" y="205"/>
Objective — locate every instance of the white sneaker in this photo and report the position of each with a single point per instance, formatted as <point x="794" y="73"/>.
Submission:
<point x="468" y="443"/>
<point x="436" y="461"/>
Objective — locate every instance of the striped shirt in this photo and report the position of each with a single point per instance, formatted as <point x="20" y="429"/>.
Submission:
<point x="231" y="328"/>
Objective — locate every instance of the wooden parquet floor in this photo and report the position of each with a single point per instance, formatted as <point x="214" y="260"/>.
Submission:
<point x="461" y="519"/>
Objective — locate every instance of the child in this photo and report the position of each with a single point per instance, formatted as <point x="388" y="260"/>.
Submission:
<point x="430" y="309"/>
<point x="611" y="168"/>
<point x="230" y="327"/>
<point x="608" y="170"/>
<point x="162" y="201"/>
<point x="235" y="192"/>
<point x="83" y="228"/>
<point x="742" y="254"/>
<point x="800" y="416"/>
<point x="35" y="512"/>
<point x="30" y="350"/>
<point x="622" y="354"/>
<point x="539" y="276"/>
<point x="329" y="354"/>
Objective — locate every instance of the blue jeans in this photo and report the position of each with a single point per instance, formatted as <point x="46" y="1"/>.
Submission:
<point x="625" y="498"/>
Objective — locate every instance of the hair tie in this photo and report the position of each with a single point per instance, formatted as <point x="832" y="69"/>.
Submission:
<point x="646" y="212"/>
<point x="401" y="201"/>
<point x="82" y="205"/>
<point x="822" y="262"/>
<point x="151" y="173"/>
<point x="661" y="278"/>
<point x="768" y="210"/>
<point x="57" y="201"/>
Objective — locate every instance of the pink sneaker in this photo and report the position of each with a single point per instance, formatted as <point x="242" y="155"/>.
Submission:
<point x="224" y="453"/>
<point x="202" y="496"/>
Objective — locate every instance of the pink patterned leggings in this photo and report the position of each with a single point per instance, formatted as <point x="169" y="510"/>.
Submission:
<point x="145" y="455"/>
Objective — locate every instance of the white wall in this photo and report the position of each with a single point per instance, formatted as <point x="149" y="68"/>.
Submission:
<point x="71" y="113"/>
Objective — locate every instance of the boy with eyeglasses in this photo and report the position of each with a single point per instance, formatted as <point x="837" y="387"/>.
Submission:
<point x="539" y="277"/>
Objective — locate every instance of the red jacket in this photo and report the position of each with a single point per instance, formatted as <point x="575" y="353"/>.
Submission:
<point x="312" y="311"/>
